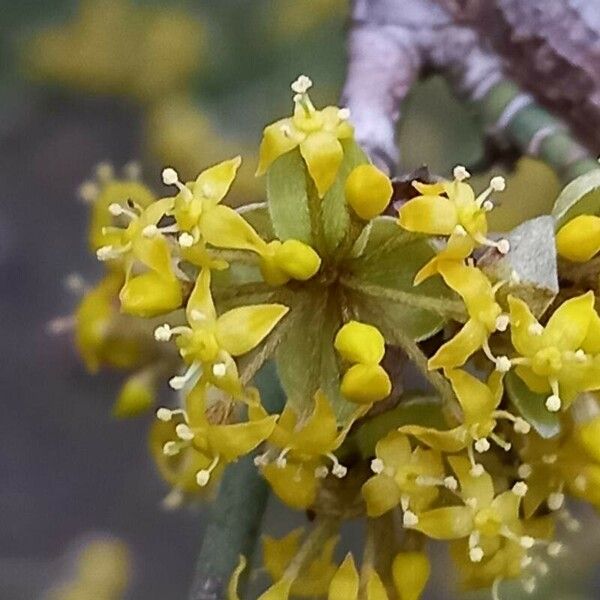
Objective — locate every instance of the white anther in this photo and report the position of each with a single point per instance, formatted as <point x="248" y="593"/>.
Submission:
<point x="459" y="230"/>
<point x="88" y="191"/>
<point x="174" y="499"/>
<point x="580" y="355"/>
<point x="535" y="329"/>
<point x="488" y="206"/>
<point x="476" y="554"/>
<point x="171" y="449"/>
<point x="482" y="445"/>
<point x="202" y="477"/>
<point x="526" y="561"/>
<point x="164" y="414"/>
<point x="521" y="426"/>
<point x="477" y="470"/>
<point x="526" y="542"/>
<point x="502" y="322"/>
<point x="104" y="171"/>
<point x="106" y="253"/>
<point x="186" y="240"/>
<point x="515" y="279"/>
<point x="524" y="471"/>
<point x="460" y="173"/>
<point x="150" y="231"/>
<point x="410" y="519"/>
<point x="503" y="364"/>
<point x="553" y="403"/>
<point x="169" y="176"/>
<point x="116" y="210"/>
<point x="377" y="466"/>
<point x="301" y="85"/>
<point x="177" y="382"/>
<point x="520" y="489"/>
<point x="163" y="333"/>
<point x="498" y="183"/>
<point x="343" y="114"/>
<point x="339" y="470"/>
<point x="132" y="170"/>
<point x="281" y="462"/>
<point x="580" y="483"/>
<point x="549" y="459"/>
<point x="321" y="472"/>
<point x="542" y="567"/>
<point x="451" y="483"/>
<point x="529" y="585"/>
<point x="471" y="503"/>
<point x="554" y="549"/>
<point x="262" y="460"/>
<point x="573" y="525"/>
<point x="503" y="246"/>
<point x="184" y="432"/>
<point x="219" y="369"/>
<point x="556" y="500"/>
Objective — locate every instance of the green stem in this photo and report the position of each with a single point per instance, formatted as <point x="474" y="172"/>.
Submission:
<point x="508" y="112"/>
<point x="236" y="514"/>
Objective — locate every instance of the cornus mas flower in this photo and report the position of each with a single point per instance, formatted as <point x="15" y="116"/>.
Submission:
<point x="579" y="239"/>
<point x="562" y="357"/>
<point x="316" y="132"/>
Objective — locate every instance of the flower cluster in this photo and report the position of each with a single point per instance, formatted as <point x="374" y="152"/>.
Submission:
<point x="337" y="294"/>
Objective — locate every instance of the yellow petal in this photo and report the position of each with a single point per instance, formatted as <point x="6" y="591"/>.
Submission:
<point x="410" y="571"/>
<point x="223" y="227"/>
<point x="534" y="382"/>
<point x="455" y="352"/>
<point x="295" y="484"/>
<point x="360" y="343"/>
<point x="506" y="507"/>
<point x="279" y="591"/>
<point x="154" y="253"/>
<point x="200" y="308"/>
<point x="344" y="585"/>
<point x="368" y="191"/>
<point x="136" y="396"/>
<point x="450" y="523"/>
<point x="278" y="138"/>
<point x="297" y="259"/>
<point x="150" y="295"/>
<point x="214" y="182"/>
<point x="243" y="328"/>
<point x="452" y="440"/>
<point x="568" y="325"/>
<point x="591" y="344"/>
<point x="458" y="248"/>
<point x="233" y="441"/>
<point x="474" y="396"/>
<point x="394" y="449"/>
<point x="588" y="436"/>
<point x="523" y="328"/>
<point x="232" y="587"/>
<point x="429" y="214"/>
<point x="481" y="488"/>
<point x="323" y="155"/>
<point x="381" y="493"/>
<point x="365" y="384"/>
<point x="579" y="239"/>
<point x="278" y="553"/>
<point x="319" y="433"/>
<point x="375" y="588"/>
<point x="429" y="189"/>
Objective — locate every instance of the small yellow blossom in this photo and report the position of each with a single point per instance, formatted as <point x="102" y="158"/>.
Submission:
<point x="562" y="357"/>
<point x="368" y="191"/>
<point x="317" y="133"/>
<point x="579" y="239"/>
<point x="402" y="475"/>
<point x="485" y="315"/>
<point x="410" y="571"/>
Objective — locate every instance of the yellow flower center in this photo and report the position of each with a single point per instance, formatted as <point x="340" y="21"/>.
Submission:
<point x="547" y="361"/>
<point x="487" y="522"/>
<point x="199" y="345"/>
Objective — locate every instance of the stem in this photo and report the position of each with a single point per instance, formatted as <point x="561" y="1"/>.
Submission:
<point x="447" y="308"/>
<point x="236" y="514"/>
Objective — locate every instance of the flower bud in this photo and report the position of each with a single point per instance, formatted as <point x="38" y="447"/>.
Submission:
<point x="365" y="384"/>
<point x="270" y="270"/>
<point x="579" y="239"/>
<point x="368" y="191"/>
<point x="297" y="259"/>
<point x="410" y="571"/>
<point x="360" y="343"/>
<point x="136" y="396"/>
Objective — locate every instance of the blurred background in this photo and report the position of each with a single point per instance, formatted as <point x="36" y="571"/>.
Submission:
<point x="185" y="84"/>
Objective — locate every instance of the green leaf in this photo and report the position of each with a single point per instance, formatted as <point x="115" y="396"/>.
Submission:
<point x="580" y="197"/>
<point x="334" y="209"/>
<point x="414" y="409"/>
<point x="532" y="257"/>
<point x="532" y="406"/>
<point x="390" y="261"/>
<point x="287" y="198"/>
<point x="257" y="214"/>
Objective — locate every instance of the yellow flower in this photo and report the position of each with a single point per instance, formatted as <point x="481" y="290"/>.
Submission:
<point x="459" y="212"/>
<point x="410" y="571"/>
<point x="366" y="381"/>
<point x="402" y="475"/>
<point x="303" y="446"/>
<point x="561" y="357"/>
<point x="368" y="191"/>
<point x="317" y="133"/>
<point x="485" y="316"/>
<point x="579" y="239"/>
<point x="314" y="579"/>
<point x="210" y="342"/>
<point x="479" y="403"/>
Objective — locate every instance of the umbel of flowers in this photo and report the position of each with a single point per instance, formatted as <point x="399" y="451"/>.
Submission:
<point x="340" y="296"/>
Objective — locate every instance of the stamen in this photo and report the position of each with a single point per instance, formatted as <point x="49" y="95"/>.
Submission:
<point x="170" y="177"/>
<point x="529" y="585"/>
<point x="321" y="472"/>
<point x="542" y="567"/>
<point x="521" y="426"/>
<point x="554" y="549"/>
<point x="460" y="173"/>
<point x="410" y="519"/>
<point x="104" y="171"/>
<point x="186" y="240"/>
<point x="302" y="84"/>
<point x="526" y="561"/>
<point x="132" y="170"/>
<point x="344" y="114"/>
<point x="527" y="542"/>
<point x="88" y="192"/>
<point x="506" y="446"/>
<point x="338" y="469"/>
<point x="524" y="471"/>
<point x="502" y="322"/>
<point x="474" y="539"/>
<point x="476" y="554"/>
<point x="555" y="501"/>
<point x="171" y="448"/>
<point x="203" y="476"/>
<point x="482" y="445"/>
<point x="110" y="252"/>
<point x="580" y="355"/>
<point x="503" y="364"/>
<point x="164" y="414"/>
<point x="150" y="231"/>
<point x="477" y="469"/>
<point x="262" y="460"/>
<point x="219" y="369"/>
<point x="377" y="466"/>
<point x="180" y="381"/>
<point x="451" y="483"/>
<point x="488" y="206"/>
<point x="520" y="489"/>
<point x="498" y="183"/>
<point x="553" y="403"/>
<point x="184" y="432"/>
<point x="173" y="500"/>
<point x="281" y="460"/>
<point x="580" y="483"/>
<point x="163" y="333"/>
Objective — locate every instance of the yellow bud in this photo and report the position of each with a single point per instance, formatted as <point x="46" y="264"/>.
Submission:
<point x="410" y="571"/>
<point x="360" y="343"/>
<point x="136" y="396"/>
<point x="150" y="295"/>
<point x="588" y="435"/>
<point x="579" y="239"/>
<point x="368" y="191"/>
<point x="297" y="259"/>
<point x="271" y="272"/>
<point x="365" y="384"/>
